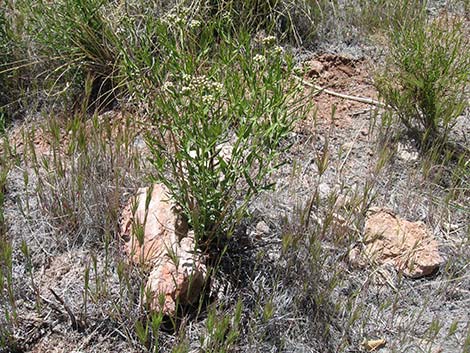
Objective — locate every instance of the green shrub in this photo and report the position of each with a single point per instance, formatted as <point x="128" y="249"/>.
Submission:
<point x="208" y="94"/>
<point x="426" y="76"/>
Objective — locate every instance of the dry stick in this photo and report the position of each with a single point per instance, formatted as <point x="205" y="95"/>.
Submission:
<point x="344" y="96"/>
<point x="76" y="325"/>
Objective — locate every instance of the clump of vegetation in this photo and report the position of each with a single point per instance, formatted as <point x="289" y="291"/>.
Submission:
<point x="12" y="63"/>
<point x="4" y="54"/>
<point x="294" y="21"/>
<point x="84" y="40"/>
<point x="222" y="112"/>
<point x="385" y="14"/>
<point x="7" y="291"/>
<point x="77" y="41"/>
<point x="425" y="80"/>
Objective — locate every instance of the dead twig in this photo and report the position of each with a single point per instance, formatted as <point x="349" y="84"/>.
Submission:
<point x="341" y="95"/>
<point x="76" y="324"/>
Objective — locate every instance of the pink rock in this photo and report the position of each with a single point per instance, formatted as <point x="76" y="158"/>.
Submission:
<point x="156" y="236"/>
<point x="409" y="246"/>
<point x="176" y="278"/>
<point x="160" y="224"/>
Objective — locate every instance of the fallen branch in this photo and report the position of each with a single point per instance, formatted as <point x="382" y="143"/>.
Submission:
<point x="341" y="95"/>
<point x="76" y="325"/>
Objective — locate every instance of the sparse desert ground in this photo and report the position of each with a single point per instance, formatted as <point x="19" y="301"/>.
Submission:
<point x="320" y="172"/>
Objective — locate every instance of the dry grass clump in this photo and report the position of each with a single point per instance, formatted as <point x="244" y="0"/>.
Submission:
<point x="70" y="191"/>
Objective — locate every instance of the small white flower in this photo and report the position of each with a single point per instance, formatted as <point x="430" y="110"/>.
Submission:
<point x="186" y="78"/>
<point x="186" y="90"/>
<point x="199" y="83"/>
<point x="259" y="59"/>
<point x="277" y="50"/>
<point x="184" y="11"/>
<point x="269" y="40"/>
<point x="217" y="87"/>
<point x="169" y="19"/>
<point x="194" y="24"/>
<point x="168" y="86"/>
<point x="208" y="99"/>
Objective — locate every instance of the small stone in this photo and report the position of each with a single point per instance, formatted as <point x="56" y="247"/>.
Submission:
<point x="406" y="153"/>
<point x="324" y="190"/>
<point x="374" y="345"/>
<point x="225" y="152"/>
<point x="262" y="228"/>
<point x="346" y="147"/>
<point x="355" y="258"/>
<point x="139" y="143"/>
<point x="315" y="68"/>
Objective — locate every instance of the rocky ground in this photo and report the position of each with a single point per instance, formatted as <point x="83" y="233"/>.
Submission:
<point x="392" y="300"/>
<point x="363" y="245"/>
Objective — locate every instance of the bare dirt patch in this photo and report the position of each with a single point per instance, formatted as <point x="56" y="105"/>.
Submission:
<point x="345" y="76"/>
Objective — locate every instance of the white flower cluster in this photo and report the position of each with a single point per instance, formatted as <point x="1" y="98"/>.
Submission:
<point x="259" y="59"/>
<point x="201" y="83"/>
<point x="208" y="99"/>
<point x="208" y="89"/>
<point x="269" y="40"/>
<point x="179" y="17"/>
<point x="172" y="19"/>
<point x="186" y="78"/>
<point x="277" y="50"/>
<point x="217" y="87"/>
<point x="186" y="90"/>
<point x="168" y="86"/>
<point x="194" y="24"/>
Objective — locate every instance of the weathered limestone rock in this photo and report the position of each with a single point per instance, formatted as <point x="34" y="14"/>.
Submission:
<point x="409" y="246"/>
